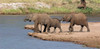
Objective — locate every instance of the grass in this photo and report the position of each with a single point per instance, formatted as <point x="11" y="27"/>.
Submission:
<point x="12" y="11"/>
<point x="45" y="10"/>
<point x="70" y="6"/>
<point x="56" y="10"/>
<point x="32" y="10"/>
<point x="87" y="10"/>
<point x="52" y="10"/>
<point x="47" y="1"/>
<point x="96" y="1"/>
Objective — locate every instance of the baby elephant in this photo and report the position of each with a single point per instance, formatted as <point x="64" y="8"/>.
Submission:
<point x="56" y="24"/>
<point x="78" y="19"/>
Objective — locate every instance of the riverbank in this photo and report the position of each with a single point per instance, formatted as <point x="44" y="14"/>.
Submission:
<point x="89" y="39"/>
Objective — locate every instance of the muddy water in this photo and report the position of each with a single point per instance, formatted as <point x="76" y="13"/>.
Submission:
<point x="14" y="36"/>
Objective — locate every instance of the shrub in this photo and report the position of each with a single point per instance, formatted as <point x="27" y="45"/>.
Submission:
<point x="6" y="11"/>
<point x="32" y="10"/>
<point x="87" y="10"/>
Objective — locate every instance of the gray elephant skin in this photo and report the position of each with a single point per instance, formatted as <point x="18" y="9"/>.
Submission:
<point x="56" y="24"/>
<point x="78" y="19"/>
<point x="42" y="19"/>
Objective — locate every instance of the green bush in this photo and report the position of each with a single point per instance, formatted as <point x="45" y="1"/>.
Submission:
<point x="96" y="11"/>
<point x="32" y="10"/>
<point x="87" y="10"/>
<point x="23" y="10"/>
<point x="96" y="1"/>
<point x="62" y="9"/>
<point x="56" y="10"/>
<point x="6" y="11"/>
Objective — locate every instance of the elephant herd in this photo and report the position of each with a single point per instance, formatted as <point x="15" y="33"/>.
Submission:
<point x="48" y="22"/>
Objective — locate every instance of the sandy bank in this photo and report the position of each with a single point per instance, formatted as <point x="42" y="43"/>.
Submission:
<point x="90" y="39"/>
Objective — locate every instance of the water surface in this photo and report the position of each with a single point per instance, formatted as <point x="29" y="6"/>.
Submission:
<point x="14" y="36"/>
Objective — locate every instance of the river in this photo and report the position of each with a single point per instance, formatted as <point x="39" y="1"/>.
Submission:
<point x="14" y="36"/>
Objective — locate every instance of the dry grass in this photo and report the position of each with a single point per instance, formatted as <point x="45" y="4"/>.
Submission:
<point x="59" y="6"/>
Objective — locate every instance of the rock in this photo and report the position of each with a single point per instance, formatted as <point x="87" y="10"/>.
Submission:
<point x="39" y="5"/>
<point x="11" y="5"/>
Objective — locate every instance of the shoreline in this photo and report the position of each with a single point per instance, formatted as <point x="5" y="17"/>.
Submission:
<point x="59" y="14"/>
<point x="89" y="39"/>
<point x="50" y="7"/>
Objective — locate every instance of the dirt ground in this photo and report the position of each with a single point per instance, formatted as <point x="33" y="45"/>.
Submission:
<point x="90" y="39"/>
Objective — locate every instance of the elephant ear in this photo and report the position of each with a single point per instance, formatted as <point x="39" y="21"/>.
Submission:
<point x="69" y="18"/>
<point x="34" y="17"/>
<point x="30" y="16"/>
<point x="27" y="17"/>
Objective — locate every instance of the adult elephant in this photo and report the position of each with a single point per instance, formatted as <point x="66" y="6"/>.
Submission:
<point x="42" y="19"/>
<point x="78" y="19"/>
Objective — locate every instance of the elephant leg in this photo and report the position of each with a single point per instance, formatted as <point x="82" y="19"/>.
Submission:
<point x="81" y="28"/>
<point x="54" y="29"/>
<point x="45" y="26"/>
<point x="60" y="29"/>
<point x="88" y="30"/>
<point x="36" y="27"/>
<point x="71" y="27"/>
<point x="48" y="28"/>
<point x="35" y="30"/>
<point x="35" y="24"/>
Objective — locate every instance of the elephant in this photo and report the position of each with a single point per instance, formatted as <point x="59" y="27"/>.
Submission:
<point x="78" y="19"/>
<point x="28" y="17"/>
<point x="42" y="19"/>
<point x="56" y="24"/>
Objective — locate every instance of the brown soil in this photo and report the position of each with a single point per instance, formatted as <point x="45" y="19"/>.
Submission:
<point x="90" y="39"/>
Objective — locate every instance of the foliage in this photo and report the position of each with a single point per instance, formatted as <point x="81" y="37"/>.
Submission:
<point x="6" y="11"/>
<point x="96" y="1"/>
<point x="56" y="10"/>
<point x="87" y="10"/>
<point x="32" y="10"/>
<point x="61" y="6"/>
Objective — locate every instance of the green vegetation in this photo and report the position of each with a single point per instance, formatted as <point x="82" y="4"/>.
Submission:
<point x="96" y="1"/>
<point x="87" y="10"/>
<point x="32" y="10"/>
<point x="45" y="10"/>
<point x="57" y="6"/>
<point x="12" y="11"/>
<point x="56" y="10"/>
